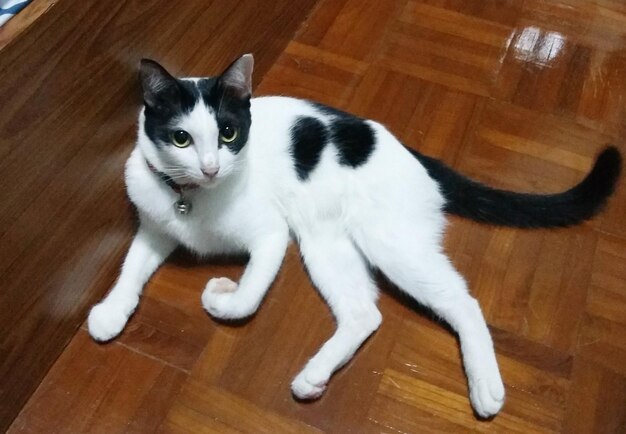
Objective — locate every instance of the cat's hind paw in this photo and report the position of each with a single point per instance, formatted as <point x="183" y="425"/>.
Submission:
<point x="106" y="321"/>
<point x="306" y="388"/>
<point x="487" y="395"/>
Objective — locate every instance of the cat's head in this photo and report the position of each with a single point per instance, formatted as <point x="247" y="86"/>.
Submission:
<point x="194" y="130"/>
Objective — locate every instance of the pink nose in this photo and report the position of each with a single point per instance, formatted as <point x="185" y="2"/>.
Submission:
<point x="210" y="171"/>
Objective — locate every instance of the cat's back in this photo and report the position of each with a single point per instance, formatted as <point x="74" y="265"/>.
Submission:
<point x="308" y="142"/>
<point x="322" y="163"/>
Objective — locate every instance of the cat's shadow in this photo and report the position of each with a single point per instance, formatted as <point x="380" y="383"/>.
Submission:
<point x="181" y="257"/>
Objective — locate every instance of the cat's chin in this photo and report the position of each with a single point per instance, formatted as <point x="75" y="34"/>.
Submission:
<point x="209" y="184"/>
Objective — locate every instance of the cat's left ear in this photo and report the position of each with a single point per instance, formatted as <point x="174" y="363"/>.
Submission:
<point x="238" y="76"/>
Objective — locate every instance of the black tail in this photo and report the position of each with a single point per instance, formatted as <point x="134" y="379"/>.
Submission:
<point x="468" y="198"/>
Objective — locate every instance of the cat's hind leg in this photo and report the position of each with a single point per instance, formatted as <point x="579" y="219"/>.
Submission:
<point x="418" y="267"/>
<point x="342" y="276"/>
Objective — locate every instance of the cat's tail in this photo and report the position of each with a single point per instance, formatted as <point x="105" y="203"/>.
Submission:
<point x="471" y="199"/>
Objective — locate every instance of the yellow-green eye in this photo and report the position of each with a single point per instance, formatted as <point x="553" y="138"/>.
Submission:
<point x="228" y="134"/>
<point x="181" y="139"/>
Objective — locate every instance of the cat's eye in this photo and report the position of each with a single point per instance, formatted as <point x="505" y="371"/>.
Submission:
<point x="181" y="138"/>
<point x="228" y="134"/>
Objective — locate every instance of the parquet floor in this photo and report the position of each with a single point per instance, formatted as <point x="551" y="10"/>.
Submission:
<point x="517" y="93"/>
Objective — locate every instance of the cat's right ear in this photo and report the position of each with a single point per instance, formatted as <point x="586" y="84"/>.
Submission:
<point x="238" y="77"/>
<point x="160" y="89"/>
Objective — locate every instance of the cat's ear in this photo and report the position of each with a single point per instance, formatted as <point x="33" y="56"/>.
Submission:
<point x="160" y="89"/>
<point x="238" y="76"/>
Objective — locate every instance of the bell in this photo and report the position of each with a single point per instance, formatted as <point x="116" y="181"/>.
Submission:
<point x="183" y="207"/>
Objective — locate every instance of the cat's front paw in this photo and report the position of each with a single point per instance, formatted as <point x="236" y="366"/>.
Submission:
<point x="221" y="299"/>
<point x="106" y="321"/>
<point x="487" y="394"/>
<point x="221" y="285"/>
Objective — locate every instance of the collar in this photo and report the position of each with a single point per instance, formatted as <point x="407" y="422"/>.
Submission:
<point x="178" y="188"/>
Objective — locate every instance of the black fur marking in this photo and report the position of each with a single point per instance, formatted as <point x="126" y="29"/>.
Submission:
<point x="185" y="95"/>
<point x="468" y="198"/>
<point x="354" y="140"/>
<point x="161" y="119"/>
<point x="229" y="109"/>
<point x="353" y="136"/>
<point x="308" y="138"/>
<point x="205" y="86"/>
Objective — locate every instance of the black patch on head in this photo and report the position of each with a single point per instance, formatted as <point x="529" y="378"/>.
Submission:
<point x="167" y="99"/>
<point x="161" y="119"/>
<point x="353" y="136"/>
<point x="229" y="108"/>
<point x="308" y="138"/>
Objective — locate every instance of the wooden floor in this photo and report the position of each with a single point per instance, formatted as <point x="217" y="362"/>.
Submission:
<point x="519" y="94"/>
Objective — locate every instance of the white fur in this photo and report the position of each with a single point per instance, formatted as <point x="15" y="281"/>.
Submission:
<point x="386" y="213"/>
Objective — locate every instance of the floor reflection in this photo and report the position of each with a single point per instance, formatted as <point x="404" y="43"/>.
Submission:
<point x="538" y="47"/>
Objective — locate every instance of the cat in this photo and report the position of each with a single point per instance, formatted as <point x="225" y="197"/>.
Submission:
<point x="220" y="172"/>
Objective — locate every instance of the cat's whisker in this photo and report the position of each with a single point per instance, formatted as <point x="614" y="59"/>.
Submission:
<point x="174" y="168"/>
<point x="175" y="172"/>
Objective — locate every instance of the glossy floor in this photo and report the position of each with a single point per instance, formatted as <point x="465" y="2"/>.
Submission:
<point x="518" y="94"/>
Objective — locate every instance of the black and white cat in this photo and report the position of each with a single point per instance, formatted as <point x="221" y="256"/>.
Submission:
<point x="218" y="172"/>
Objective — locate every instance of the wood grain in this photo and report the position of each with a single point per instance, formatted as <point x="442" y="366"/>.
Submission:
<point x="518" y="94"/>
<point x="20" y="22"/>
<point x="69" y="102"/>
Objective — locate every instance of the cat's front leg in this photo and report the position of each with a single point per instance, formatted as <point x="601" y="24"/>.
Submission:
<point x="224" y="299"/>
<point x="147" y="251"/>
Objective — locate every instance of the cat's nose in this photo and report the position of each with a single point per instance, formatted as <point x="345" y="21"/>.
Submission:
<point x="210" y="171"/>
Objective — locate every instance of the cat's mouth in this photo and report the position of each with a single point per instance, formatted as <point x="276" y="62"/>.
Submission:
<point x="204" y="180"/>
<point x="208" y="181"/>
<point x="200" y="180"/>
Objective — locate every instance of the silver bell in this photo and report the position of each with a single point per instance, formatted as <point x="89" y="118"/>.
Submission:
<point x="183" y="207"/>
